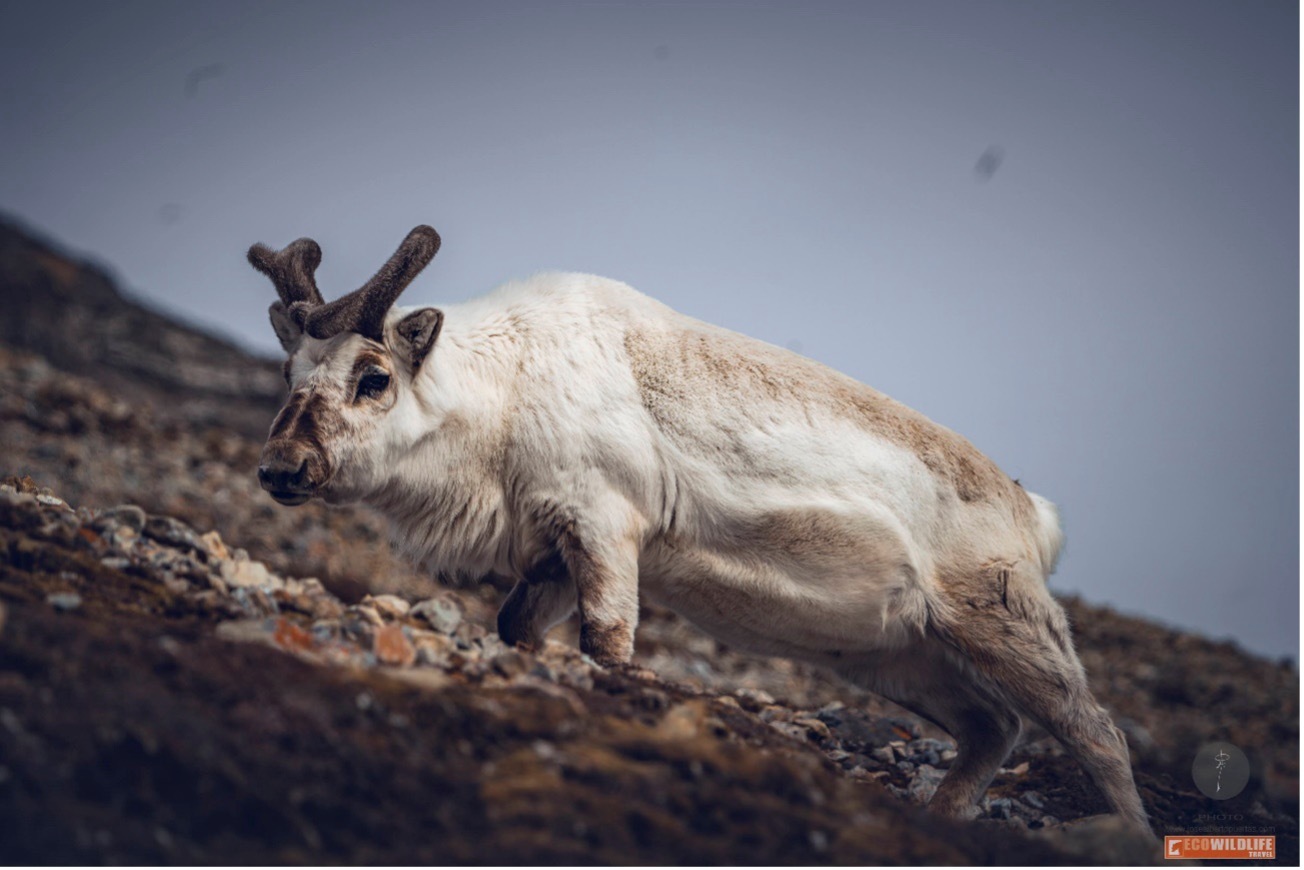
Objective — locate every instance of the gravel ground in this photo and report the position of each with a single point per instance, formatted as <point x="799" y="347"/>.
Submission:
<point x="164" y="698"/>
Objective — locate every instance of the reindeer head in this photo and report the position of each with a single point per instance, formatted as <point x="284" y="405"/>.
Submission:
<point x="350" y="371"/>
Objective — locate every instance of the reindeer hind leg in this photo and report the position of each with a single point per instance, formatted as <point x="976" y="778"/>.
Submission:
<point x="924" y="680"/>
<point x="536" y="603"/>
<point x="1020" y="646"/>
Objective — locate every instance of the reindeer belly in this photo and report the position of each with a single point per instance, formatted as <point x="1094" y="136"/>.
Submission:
<point x="806" y="582"/>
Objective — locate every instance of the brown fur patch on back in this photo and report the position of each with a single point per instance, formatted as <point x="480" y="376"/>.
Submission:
<point x="659" y="390"/>
<point x="672" y="369"/>
<point x="946" y="454"/>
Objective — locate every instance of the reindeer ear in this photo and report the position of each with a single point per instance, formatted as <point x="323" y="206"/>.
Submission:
<point x="287" y="328"/>
<point x="415" y="334"/>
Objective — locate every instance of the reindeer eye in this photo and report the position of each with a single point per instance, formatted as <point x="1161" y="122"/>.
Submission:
<point x="372" y="383"/>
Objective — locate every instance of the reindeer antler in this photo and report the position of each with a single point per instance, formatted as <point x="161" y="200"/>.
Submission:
<point x="363" y="311"/>
<point x="291" y="269"/>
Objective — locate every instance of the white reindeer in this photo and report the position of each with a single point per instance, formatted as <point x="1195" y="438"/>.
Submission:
<point x="586" y="440"/>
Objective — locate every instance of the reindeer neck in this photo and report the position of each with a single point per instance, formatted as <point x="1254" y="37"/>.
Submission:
<point x="447" y="513"/>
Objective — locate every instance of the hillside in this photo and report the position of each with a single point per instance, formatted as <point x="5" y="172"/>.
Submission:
<point x="70" y="313"/>
<point x="192" y="673"/>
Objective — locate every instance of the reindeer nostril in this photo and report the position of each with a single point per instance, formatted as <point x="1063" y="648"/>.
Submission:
<point x="280" y="476"/>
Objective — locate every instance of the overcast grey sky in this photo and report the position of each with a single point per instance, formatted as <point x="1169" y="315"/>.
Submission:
<point x="1067" y="230"/>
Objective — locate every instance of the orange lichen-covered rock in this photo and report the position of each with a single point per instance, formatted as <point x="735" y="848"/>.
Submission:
<point x="392" y="648"/>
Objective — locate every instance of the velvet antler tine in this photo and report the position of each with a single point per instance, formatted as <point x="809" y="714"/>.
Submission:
<point x="363" y="311"/>
<point x="292" y="270"/>
<point x="381" y="292"/>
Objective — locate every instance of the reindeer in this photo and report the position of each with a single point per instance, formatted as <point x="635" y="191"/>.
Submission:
<point x="587" y="441"/>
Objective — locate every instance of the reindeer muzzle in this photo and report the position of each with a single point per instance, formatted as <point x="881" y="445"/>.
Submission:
<point x="290" y="474"/>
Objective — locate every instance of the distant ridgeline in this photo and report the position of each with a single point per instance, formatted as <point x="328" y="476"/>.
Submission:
<point x="70" y="312"/>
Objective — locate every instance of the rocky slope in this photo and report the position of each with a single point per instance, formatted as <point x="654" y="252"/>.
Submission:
<point x="70" y="312"/>
<point x="175" y="686"/>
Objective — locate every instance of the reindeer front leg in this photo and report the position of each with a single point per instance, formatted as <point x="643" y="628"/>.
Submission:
<point x="540" y="600"/>
<point x="606" y="582"/>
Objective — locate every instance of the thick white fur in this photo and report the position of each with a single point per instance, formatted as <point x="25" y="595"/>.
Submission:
<point x="722" y="474"/>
